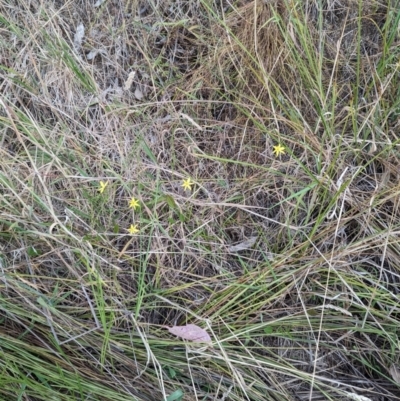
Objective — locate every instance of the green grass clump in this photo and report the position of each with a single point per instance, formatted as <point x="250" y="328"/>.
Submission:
<point x="233" y="165"/>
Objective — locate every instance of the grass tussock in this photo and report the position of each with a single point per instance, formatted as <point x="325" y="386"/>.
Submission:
<point x="290" y="262"/>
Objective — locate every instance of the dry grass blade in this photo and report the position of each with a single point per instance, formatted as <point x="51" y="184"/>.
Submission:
<point x="234" y="163"/>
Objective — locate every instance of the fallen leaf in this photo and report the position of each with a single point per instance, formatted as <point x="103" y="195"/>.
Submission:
<point x="243" y="245"/>
<point x="395" y="373"/>
<point x="79" y="34"/>
<point x="138" y="94"/>
<point x="98" y="3"/>
<point x="93" y="53"/>
<point x="190" y="332"/>
<point x="128" y="82"/>
<point x="356" y="397"/>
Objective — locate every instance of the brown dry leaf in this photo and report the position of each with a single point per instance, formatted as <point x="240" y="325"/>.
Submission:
<point x="98" y="3"/>
<point x="78" y="37"/>
<point x="128" y="82"/>
<point x="395" y="373"/>
<point x="243" y="245"/>
<point x="190" y="332"/>
<point x="93" y="53"/>
<point x="138" y="94"/>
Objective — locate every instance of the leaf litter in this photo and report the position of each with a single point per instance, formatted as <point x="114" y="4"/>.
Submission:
<point x="190" y="332"/>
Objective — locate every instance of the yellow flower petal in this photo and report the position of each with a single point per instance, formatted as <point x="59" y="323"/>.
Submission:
<point x="187" y="184"/>
<point x="279" y="150"/>
<point x="102" y="186"/>
<point x="133" y="229"/>
<point x="134" y="203"/>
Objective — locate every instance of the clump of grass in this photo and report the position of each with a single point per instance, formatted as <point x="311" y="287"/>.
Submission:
<point x="234" y="166"/>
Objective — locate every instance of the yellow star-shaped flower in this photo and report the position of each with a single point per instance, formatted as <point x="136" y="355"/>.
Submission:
<point x="102" y="186"/>
<point x="279" y="150"/>
<point x="187" y="184"/>
<point x="133" y="229"/>
<point x="133" y="203"/>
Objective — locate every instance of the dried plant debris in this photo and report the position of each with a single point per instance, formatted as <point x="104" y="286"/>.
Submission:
<point x="191" y="332"/>
<point x="228" y="162"/>
<point x="243" y="245"/>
